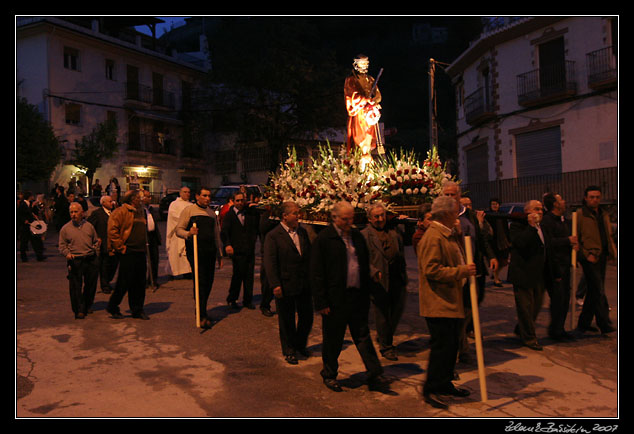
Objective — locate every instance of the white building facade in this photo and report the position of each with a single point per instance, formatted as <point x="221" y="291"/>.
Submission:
<point x="79" y="74"/>
<point x="537" y="100"/>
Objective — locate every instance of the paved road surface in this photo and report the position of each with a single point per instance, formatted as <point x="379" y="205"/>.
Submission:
<point x="166" y="368"/>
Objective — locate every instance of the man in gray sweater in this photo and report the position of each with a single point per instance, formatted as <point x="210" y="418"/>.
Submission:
<point x="79" y="244"/>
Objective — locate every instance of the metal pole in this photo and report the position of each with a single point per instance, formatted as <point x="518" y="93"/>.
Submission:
<point x="432" y="98"/>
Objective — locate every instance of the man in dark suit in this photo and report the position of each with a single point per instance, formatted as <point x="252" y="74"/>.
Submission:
<point x="153" y="237"/>
<point x="339" y="275"/>
<point x="107" y="264"/>
<point x="239" y="233"/>
<point x="529" y="270"/>
<point x="559" y="231"/>
<point x="286" y="261"/>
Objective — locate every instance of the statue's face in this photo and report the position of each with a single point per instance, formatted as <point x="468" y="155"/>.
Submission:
<point x="361" y="64"/>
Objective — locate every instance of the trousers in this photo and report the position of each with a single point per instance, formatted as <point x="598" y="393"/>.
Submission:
<point x="82" y="282"/>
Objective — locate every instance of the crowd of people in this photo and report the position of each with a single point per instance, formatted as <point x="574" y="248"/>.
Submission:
<point x="339" y="270"/>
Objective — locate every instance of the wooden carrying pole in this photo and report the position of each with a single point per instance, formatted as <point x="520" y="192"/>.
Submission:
<point x="196" y="279"/>
<point x="573" y="271"/>
<point x="476" y="321"/>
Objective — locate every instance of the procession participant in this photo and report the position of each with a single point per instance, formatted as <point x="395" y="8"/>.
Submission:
<point x="500" y="243"/>
<point x="529" y="270"/>
<point x="339" y="276"/>
<point x="127" y="238"/>
<point x="470" y="225"/>
<point x="25" y="217"/>
<point x="424" y="220"/>
<point x="596" y="246"/>
<point x="153" y="236"/>
<point x="208" y="243"/>
<point x="442" y="272"/>
<point x="286" y="260"/>
<point x="388" y="271"/>
<point x="79" y="244"/>
<point x="107" y="263"/>
<point x="177" y="263"/>
<point x="558" y="229"/>
<point x="239" y="234"/>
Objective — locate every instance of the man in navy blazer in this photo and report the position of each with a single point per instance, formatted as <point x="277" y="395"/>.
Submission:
<point x="286" y="262"/>
<point x="339" y="275"/>
<point x="239" y="234"/>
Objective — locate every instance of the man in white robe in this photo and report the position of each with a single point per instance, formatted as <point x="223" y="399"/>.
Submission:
<point x="177" y="263"/>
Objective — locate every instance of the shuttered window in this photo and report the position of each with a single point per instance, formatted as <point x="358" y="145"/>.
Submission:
<point x="478" y="164"/>
<point x="538" y="152"/>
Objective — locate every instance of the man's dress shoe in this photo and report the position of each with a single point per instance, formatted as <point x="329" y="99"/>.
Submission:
<point x="332" y="384"/>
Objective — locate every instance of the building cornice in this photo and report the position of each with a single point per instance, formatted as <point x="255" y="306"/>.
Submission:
<point x="26" y="23"/>
<point x="496" y="37"/>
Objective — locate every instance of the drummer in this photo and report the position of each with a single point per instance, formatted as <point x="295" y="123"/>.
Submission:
<point x="24" y="218"/>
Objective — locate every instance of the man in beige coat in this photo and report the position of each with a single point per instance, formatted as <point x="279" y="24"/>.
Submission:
<point x="442" y="272"/>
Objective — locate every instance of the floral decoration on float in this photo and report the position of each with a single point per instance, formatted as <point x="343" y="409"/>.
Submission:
<point x="399" y="180"/>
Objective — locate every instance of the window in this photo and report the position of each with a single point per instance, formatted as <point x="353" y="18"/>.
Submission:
<point x="71" y="58"/>
<point x="538" y="152"/>
<point x="478" y="163"/>
<point x="72" y="114"/>
<point x="109" y="69"/>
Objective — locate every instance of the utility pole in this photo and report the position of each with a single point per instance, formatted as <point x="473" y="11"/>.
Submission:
<point x="433" y="125"/>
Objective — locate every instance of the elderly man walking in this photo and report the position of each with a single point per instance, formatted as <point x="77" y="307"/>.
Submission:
<point x="339" y="275"/>
<point x="442" y="272"/>
<point x="79" y="244"/>
<point x="388" y="272"/>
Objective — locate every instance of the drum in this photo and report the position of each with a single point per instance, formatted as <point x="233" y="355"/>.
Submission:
<point x="38" y="227"/>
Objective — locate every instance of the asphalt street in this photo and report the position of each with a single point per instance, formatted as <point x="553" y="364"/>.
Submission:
<point x="165" y="368"/>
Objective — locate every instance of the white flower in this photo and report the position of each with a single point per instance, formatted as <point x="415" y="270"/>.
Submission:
<point x="408" y="191"/>
<point x="399" y="178"/>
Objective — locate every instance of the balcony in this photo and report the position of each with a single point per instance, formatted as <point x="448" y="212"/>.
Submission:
<point x="547" y="84"/>
<point x="148" y="95"/>
<point x="602" y="68"/>
<point x="151" y="143"/>
<point x="479" y="107"/>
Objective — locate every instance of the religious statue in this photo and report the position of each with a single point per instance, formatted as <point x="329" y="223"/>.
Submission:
<point x="362" y="103"/>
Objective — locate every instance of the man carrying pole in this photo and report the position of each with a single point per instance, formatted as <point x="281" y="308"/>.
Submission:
<point x="442" y="270"/>
<point x="198" y="227"/>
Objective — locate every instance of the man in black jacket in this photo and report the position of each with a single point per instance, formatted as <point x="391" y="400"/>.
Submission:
<point x="339" y="275"/>
<point x="558" y="229"/>
<point x="107" y="264"/>
<point x="286" y="261"/>
<point x="239" y="234"/>
<point x="529" y="270"/>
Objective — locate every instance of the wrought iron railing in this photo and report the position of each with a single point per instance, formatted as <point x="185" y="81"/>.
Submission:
<point x="478" y="105"/>
<point x="547" y="82"/>
<point x="149" y="95"/>
<point x="151" y="143"/>
<point x="601" y="67"/>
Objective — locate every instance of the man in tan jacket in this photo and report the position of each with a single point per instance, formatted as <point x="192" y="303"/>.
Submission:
<point x="127" y="238"/>
<point x="442" y="272"/>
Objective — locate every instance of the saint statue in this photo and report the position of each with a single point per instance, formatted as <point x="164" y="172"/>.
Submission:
<point x="362" y="103"/>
